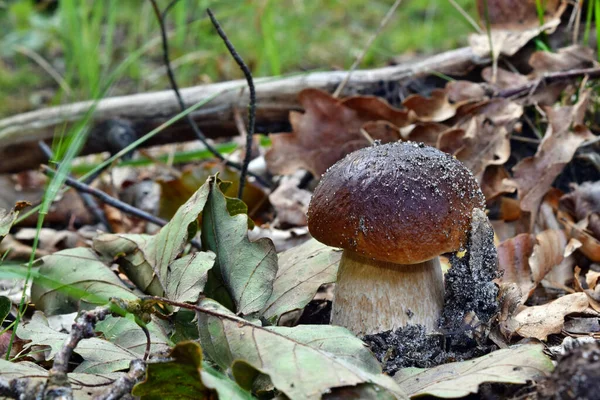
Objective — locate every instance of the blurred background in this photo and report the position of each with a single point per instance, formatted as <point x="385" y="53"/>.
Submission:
<point x="60" y="51"/>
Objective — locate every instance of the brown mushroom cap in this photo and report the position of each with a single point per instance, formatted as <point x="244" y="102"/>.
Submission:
<point x="401" y="202"/>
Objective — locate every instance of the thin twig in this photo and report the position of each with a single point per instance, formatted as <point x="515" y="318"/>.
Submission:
<point x="252" y="105"/>
<point x="123" y="385"/>
<point x="591" y="73"/>
<point x="58" y="385"/>
<point x="46" y="66"/>
<point x="362" y="55"/>
<point x="466" y="16"/>
<point x="199" y="134"/>
<point x="111" y="201"/>
<point x="87" y="199"/>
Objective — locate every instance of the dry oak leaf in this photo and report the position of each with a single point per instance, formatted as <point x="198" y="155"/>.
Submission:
<point x="328" y="130"/>
<point x="492" y="182"/>
<point x="566" y="59"/>
<point x="515" y="14"/>
<point x="435" y="108"/>
<point x="590" y="246"/>
<point x="533" y="176"/>
<point x="482" y="143"/>
<point x="584" y="203"/>
<point x="424" y="132"/>
<point x="504" y="79"/>
<point x="460" y="91"/>
<point x="513" y="23"/>
<point x="540" y="321"/>
<point x="593" y="295"/>
<point x="526" y="259"/>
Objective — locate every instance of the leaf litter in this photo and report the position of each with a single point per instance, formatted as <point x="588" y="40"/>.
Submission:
<point x="529" y="143"/>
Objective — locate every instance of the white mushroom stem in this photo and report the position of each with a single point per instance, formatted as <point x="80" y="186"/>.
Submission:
<point x="374" y="296"/>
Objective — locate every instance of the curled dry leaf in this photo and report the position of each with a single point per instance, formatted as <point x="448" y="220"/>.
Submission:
<point x="565" y="59"/>
<point x="436" y="108"/>
<point x="526" y="259"/>
<point x="461" y="91"/>
<point x="533" y="176"/>
<point x="584" y="202"/>
<point x="513" y="23"/>
<point x="328" y="130"/>
<point x="290" y="202"/>
<point x="515" y="14"/>
<point x="590" y="246"/>
<point x="508" y="42"/>
<point x="425" y="132"/>
<point x="593" y="295"/>
<point x="504" y="79"/>
<point x="540" y="321"/>
<point x="492" y="182"/>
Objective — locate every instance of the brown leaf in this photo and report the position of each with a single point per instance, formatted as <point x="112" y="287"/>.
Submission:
<point x="526" y="259"/>
<point x="593" y="296"/>
<point x="482" y="144"/>
<point x="426" y="132"/>
<point x="533" y="176"/>
<point x="566" y="59"/>
<point x="492" y="183"/>
<point x="328" y="130"/>
<point x="382" y="130"/>
<point x="515" y="14"/>
<point x="583" y="200"/>
<point x="504" y="79"/>
<point x="590" y="246"/>
<point x="461" y="91"/>
<point x="540" y="321"/>
<point x="513" y="262"/>
<point x="508" y="42"/>
<point x="290" y="202"/>
<point x="436" y="108"/>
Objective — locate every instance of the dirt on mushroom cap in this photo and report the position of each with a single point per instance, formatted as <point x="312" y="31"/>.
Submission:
<point x="401" y="202"/>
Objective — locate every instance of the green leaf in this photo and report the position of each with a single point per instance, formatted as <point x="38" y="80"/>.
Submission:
<point x="85" y="386"/>
<point x="99" y="356"/>
<point x="126" y="334"/>
<point x="5" y="305"/>
<point x="246" y="269"/>
<point x="514" y="365"/>
<point x="303" y="362"/>
<point x="302" y="270"/>
<point x="184" y="376"/>
<point x="77" y="275"/>
<point x="150" y="261"/>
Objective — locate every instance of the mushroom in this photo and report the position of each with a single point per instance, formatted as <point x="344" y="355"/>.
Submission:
<point x="394" y="209"/>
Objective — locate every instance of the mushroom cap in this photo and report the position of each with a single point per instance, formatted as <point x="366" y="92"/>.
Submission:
<point x="401" y="202"/>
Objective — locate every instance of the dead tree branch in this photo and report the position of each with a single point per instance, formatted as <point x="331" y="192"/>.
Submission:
<point x="19" y="134"/>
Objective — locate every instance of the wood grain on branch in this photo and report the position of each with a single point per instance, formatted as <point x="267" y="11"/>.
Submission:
<point x="19" y="134"/>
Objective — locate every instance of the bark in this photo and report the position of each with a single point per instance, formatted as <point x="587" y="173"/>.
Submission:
<point x="19" y="134"/>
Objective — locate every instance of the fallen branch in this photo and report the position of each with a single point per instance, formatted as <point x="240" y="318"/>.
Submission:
<point x="275" y="98"/>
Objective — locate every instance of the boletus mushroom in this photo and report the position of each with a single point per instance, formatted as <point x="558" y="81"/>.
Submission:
<point x="394" y="209"/>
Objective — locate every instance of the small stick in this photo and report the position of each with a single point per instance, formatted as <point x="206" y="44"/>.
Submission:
<point x="199" y="134"/>
<point x="362" y="55"/>
<point x="591" y="73"/>
<point x="58" y="385"/>
<point x="111" y="201"/>
<point x="87" y="199"/>
<point x="252" y="106"/>
<point x="123" y="385"/>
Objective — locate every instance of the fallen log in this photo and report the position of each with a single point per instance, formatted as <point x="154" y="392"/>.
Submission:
<point x="19" y="134"/>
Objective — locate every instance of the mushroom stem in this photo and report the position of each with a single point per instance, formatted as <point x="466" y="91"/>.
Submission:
<point x="374" y="296"/>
